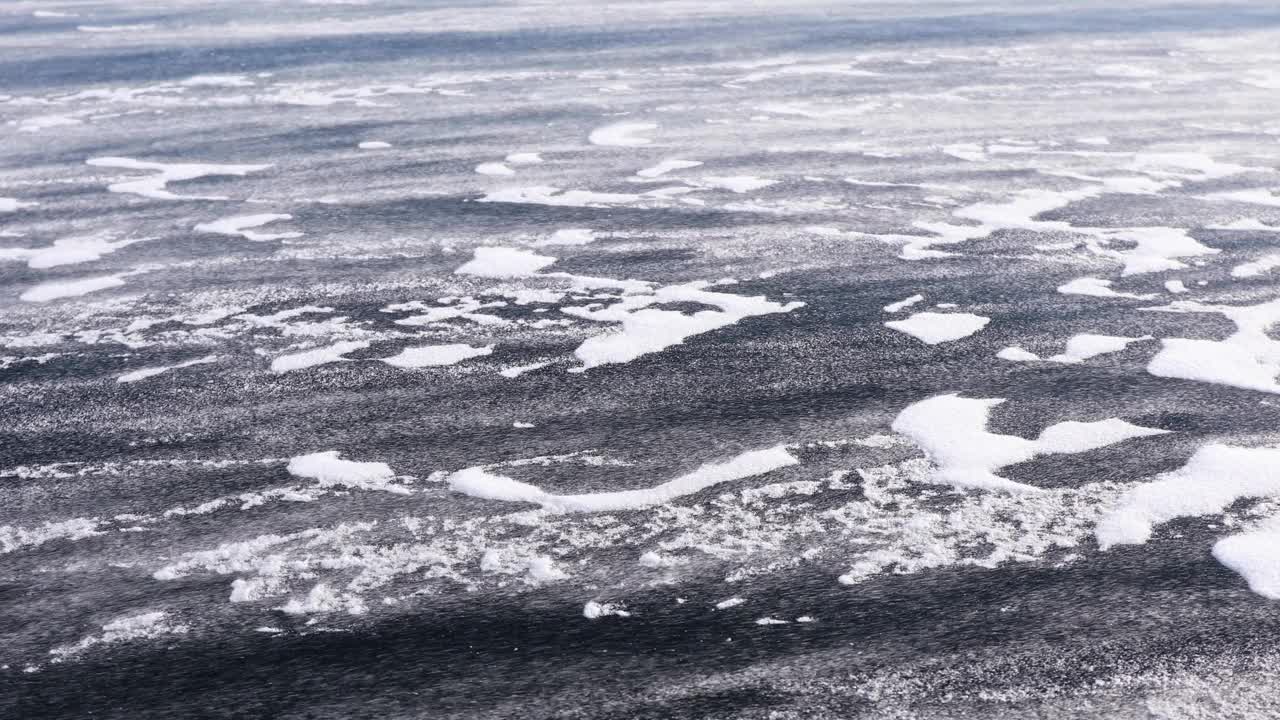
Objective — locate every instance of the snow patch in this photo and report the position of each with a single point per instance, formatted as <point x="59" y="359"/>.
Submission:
<point x="494" y="168"/>
<point x="594" y="610"/>
<point x="501" y="262"/>
<point x="319" y="356"/>
<point x="145" y="373"/>
<point x="479" y="482"/>
<point x="58" y="289"/>
<point x="667" y="166"/>
<point x="568" y="236"/>
<point x="436" y="355"/>
<point x="952" y="432"/>
<point x="329" y="471"/>
<point x="623" y="134"/>
<point x="903" y="304"/>
<point x="154" y="186"/>
<point x="1247" y="359"/>
<point x="1096" y="287"/>
<point x="241" y="225"/>
<point x="934" y="328"/>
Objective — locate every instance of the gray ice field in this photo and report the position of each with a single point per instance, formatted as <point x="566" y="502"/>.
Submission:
<point x="674" y="359"/>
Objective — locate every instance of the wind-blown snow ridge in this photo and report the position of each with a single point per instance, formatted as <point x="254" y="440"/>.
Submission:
<point x="952" y="432"/>
<point x="479" y="482"/>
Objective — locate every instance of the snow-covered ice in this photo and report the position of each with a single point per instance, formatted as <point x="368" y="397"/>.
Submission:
<point x="436" y="355"/>
<point x="934" y="328"/>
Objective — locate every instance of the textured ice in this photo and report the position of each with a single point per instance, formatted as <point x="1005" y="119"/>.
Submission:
<point x="994" y="156"/>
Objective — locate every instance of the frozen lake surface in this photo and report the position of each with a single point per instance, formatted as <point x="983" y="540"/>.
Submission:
<point x="665" y="359"/>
